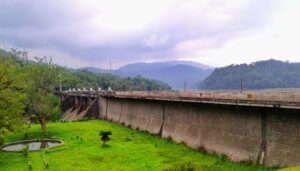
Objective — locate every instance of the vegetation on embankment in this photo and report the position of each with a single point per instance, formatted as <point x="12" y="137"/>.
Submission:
<point x="127" y="150"/>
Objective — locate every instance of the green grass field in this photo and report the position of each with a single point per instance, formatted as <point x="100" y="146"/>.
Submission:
<point x="127" y="150"/>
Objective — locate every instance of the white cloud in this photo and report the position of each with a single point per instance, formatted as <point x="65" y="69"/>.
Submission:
<point x="278" y="40"/>
<point x="59" y="58"/>
<point x="217" y="32"/>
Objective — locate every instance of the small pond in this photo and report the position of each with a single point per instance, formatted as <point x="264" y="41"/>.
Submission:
<point x="34" y="145"/>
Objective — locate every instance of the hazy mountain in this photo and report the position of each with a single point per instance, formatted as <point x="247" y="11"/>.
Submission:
<point x="259" y="75"/>
<point x="93" y="70"/>
<point x="140" y="67"/>
<point x="174" y="73"/>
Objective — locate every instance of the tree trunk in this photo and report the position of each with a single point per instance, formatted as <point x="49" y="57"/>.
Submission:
<point x="44" y="127"/>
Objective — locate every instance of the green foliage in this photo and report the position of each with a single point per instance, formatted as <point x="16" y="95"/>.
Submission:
<point x="12" y="96"/>
<point x="43" y="156"/>
<point x="29" y="164"/>
<point x="143" y="152"/>
<point x="42" y="104"/>
<point x="105" y="136"/>
<point x="25" y="150"/>
<point x="46" y="163"/>
<point x="80" y="79"/>
<point x="258" y="75"/>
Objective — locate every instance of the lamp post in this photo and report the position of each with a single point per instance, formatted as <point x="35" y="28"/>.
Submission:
<point x="60" y="82"/>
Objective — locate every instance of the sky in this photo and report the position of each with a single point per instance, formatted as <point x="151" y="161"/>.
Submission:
<point x="79" y="33"/>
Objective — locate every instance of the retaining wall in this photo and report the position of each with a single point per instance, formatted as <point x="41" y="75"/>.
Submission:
<point x="262" y="135"/>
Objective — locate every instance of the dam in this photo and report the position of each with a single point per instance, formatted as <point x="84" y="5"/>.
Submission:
<point x="257" y="127"/>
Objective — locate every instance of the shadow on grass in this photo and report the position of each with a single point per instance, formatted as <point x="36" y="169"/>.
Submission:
<point x="35" y="134"/>
<point x="105" y="146"/>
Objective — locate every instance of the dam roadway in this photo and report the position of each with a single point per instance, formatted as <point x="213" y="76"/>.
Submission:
<point x="261" y="127"/>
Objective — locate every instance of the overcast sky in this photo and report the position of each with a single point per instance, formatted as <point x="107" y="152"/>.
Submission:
<point x="79" y="33"/>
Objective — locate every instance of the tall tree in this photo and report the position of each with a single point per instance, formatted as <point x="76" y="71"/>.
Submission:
<point x="12" y="96"/>
<point x="42" y="104"/>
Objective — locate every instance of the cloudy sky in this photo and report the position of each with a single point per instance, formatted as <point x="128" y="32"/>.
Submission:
<point x="79" y="33"/>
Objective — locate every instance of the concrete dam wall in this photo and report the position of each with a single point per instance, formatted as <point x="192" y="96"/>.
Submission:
<point x="262" y="135"/>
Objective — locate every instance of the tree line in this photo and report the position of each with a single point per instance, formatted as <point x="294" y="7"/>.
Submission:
<point x="86" y="79"/>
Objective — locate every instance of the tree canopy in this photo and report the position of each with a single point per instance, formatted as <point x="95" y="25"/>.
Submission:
<point x="12" y="96"/>
<point x="85" y="79"/>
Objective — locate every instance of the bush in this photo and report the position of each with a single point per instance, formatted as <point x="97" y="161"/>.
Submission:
<point x="46" y="164"/>
<point x="105" y="136"/>
<point x="26" y="136"/>
<point x="202" y="150"/>
<point x="26" y="150"/>
<point x="29" y="165"/>
<point x="221" y="158"/>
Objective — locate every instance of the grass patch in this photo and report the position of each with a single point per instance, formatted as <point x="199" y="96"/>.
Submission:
<point x="127" y="150"/>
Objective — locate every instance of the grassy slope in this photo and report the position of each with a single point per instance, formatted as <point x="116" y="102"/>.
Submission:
<point x="128" y="150"/>
<point x="291" y="169"/>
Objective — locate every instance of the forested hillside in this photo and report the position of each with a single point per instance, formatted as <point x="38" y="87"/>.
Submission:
<point x="258" y="75"/>
<point x="80" y="79"/>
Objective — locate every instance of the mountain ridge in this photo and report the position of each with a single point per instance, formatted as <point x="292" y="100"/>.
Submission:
<point x="175" y="73"/>
<point x="257" y="75"/>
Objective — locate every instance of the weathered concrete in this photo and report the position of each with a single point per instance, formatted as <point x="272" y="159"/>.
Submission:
<point x="140" y="115"/>
<point x="264" y="135"/>
<point x="282" y="138"/>
<point x="216" y="128"/>
<point x="102" y="107"/>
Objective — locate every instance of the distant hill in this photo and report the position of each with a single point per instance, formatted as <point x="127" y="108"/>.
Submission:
<point x="93" y="70"/>
<point x="259" y="75"/>
<point x="174" y="73"/>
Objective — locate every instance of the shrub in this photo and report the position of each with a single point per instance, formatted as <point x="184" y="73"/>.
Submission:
<point x="221" y="159"/>
<point x="26" y="150"/>
<point x="46" y="164"/>
<point x="105" y="136"/>
<point x="202" y="150"/>
<point x="29" y="165"/>
<point x="26" y="136"/>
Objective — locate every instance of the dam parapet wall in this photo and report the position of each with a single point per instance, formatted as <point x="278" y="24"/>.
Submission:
<point x="263" y="133"/>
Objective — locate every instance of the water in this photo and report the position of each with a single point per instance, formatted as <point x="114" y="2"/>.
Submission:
<point x="33" y="146"/>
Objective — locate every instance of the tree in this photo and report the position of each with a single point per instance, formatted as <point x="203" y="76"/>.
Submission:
<point x="105" y="136"/>
<point x="12" y="96"/>
<point x="42" y="104"/>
